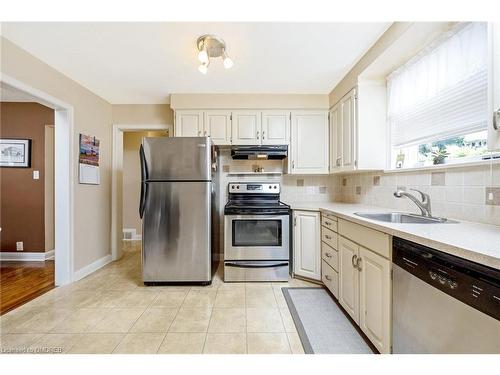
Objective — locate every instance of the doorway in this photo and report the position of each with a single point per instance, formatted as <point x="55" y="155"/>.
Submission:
<point x="126" y="175"/>
<point x="27" y="205"/>
<point x="63" y="173"/>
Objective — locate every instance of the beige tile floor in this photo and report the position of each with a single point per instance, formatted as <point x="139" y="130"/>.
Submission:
<point x="111" y="311"/>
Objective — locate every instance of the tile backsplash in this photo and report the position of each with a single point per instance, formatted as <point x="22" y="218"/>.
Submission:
<point x="459" y="193"/>
<point x="293" y="188"/>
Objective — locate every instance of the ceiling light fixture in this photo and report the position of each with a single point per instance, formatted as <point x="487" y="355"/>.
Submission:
<point x="212" y="46"/>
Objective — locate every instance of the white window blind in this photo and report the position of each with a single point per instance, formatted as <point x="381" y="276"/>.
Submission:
<point x="442" y="92"/>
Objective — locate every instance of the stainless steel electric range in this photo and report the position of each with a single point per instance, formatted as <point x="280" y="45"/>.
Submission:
<point x="257" y="233"/>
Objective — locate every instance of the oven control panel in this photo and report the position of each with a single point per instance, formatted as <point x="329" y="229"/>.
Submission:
<point x="254" y="188"/>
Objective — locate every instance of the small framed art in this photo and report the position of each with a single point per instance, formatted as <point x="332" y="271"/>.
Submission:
<point x="15" y="153"/>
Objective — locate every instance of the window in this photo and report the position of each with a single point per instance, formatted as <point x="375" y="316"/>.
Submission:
<point x="437" y="102"/>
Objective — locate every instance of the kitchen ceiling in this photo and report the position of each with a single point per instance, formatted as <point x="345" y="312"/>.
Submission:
<point x="143" y="63"/>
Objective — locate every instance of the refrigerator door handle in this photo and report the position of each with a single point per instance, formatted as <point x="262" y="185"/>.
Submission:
<point x="144" y="185"/>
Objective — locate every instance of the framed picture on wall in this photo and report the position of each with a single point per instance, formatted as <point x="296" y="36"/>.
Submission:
<point x="15" y="153"/>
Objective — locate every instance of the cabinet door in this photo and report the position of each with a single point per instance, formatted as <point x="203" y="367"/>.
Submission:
<point x="189" y="123"/>
<point x="348" y="121"/>
<point x="494" y="102"/>
<point x="246" y="128"/>
<point x="309" y="143"/>
<point x="375" y="298"/>
<point x="275" y="128"/>
<point x="306" y="244"/>
<point x="348" y="278"/>
<point x="335" y="139"/>
<point x="218" y="126"/>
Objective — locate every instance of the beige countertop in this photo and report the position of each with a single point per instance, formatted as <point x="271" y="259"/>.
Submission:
<point x="473" y="241"/>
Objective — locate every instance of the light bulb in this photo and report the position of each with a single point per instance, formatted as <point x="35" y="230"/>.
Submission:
<point x="228" y="63"/>
<point x="203" y="56"/>
<point x="203" y="68"/>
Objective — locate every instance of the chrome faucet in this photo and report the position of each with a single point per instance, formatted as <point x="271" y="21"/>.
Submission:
<point x="424" y="205"/>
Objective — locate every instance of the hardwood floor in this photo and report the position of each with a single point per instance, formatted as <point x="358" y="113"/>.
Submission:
<point x="21" y="282"/>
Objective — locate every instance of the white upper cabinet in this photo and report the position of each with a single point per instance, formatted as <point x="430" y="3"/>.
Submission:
<point x="309" y="143"/>
<point x="335" y="139"/>
<point x="307" y="244"/>
<point x="189" y="124"/>
<point x="275" y="127"/>
<point x="217" y="124"/>
<point x="358" y="129"/>
<point x="246" y="128"/>
<point x="494" y="103"/>
<point x="348" y="122"/>
<point x="214" y="124"/>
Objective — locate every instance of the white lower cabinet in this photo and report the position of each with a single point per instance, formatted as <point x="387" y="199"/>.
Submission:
<point x="349" y="278"/>
<point x="375" y="298"/>
<point x="365" y="291"/>
<point x="306" y="244"/>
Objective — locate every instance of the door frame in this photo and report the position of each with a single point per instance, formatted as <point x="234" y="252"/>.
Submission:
<point x="117" y="180"/>
<point x="64" y="176"/>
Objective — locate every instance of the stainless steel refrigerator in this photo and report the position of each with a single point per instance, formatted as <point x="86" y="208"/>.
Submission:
<point x="178" y="207"/>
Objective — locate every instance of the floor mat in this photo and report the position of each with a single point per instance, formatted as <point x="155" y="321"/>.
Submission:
<point x="322" y="326"/>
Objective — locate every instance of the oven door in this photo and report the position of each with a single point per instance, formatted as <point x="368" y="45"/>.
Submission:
<point x="257" y="237"/>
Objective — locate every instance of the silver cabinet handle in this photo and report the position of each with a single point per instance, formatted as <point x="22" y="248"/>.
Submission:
<point x="205" y="132"/>
<point x="328" y="278"/>
<point x="293" y="164"/>
<point x="327" y="223"/>
<point x="358" y="264"/>
<point x="338" y="161"/>
<point x="354" y="260"/>
<point x="258" y="135"/>
<point x="328" y="237"/>
<point x="496" y="120"/>
<point x="199" y="132"/>
<point x="263" y="135"/>
<point x="328" y="255"/>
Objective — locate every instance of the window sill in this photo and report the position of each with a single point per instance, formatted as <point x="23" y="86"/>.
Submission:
<point x="445" y="166"/>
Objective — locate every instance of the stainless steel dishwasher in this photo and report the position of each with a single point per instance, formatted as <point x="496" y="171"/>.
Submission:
<point x="443" y="303"/>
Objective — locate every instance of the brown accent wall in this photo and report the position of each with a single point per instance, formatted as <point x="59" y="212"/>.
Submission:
<point x="22" y="197"/>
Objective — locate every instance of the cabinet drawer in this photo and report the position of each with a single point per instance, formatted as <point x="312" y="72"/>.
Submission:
<point x="329" y="216"/>
<point x="330" y="278"/>
<point x="328" y="223"/>
<point x="330" y="256"/>
<point x="329" y="236"/>
<point x="374" y="240"/>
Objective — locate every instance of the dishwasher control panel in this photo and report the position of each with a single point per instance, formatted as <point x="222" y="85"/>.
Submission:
<point x="474" y="284"/>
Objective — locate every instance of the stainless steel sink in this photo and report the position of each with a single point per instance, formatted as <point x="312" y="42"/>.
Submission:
<point x="400" y="217"/>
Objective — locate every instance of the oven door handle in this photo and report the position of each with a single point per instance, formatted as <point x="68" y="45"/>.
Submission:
<point x="255" y="265"/>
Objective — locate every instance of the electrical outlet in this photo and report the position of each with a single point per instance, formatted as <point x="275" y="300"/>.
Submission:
<point x="19" y="246"/>
<point x="493" y="196"/>
<point x="36" y="175"/>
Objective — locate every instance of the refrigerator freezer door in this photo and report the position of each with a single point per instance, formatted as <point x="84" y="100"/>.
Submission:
<point x="178" y="158"/>
<point x="176" y="232"/>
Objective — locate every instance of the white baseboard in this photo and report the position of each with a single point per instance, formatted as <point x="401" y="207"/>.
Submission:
<point x="22" y="256"/>
<point x="92" y="267"/>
